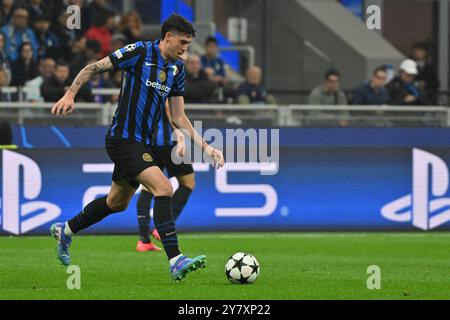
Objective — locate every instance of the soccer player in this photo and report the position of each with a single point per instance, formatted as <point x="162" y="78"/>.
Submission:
<point x="184" y="173"/>
<point x="153" y="72"/>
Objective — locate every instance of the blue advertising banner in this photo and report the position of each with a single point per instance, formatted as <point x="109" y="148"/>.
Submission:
<point x="314" y="189"/>
<point x="94" y="137"/>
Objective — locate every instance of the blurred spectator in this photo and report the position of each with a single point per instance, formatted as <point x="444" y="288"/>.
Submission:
<point x="92" y="13"/>
<point x="4" y="82"/>
<point x="329" y="92"/>
<point x="131" y="27"/>
<point x="18" y="32"/>
<point x="6" y="10"/>
<point x="49" y="45"/>
<point x="36" y="9"/>
<point x="99" y="82"/>
<point x="88" y="50"/>
<point x="55" y="87"/>
<point x="198" y="88"/>
<point x="102" y="32"/>
<point x="6" y="136"/>
<point x="25" y="67"/>
<point x="4" y="60"/>
<point x="373" y="92"/>
<point x="46" y="70"/>
<point x="402" y="90"/>
<point x="117" y="78"/>
<point x="212" y="63"/>
<point x="252" y="91"/>
<point x="426" y="78"/>
<point x="65" y="36"/>
<point x="118" y="41"/>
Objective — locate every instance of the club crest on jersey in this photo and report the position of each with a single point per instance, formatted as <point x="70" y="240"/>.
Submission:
<point x="162" y="76"/>
<point x="147" y="157"/>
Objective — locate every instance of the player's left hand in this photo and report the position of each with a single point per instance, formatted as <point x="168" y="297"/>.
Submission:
<point x="216" y="156"/>
<point x="65" y="105"/>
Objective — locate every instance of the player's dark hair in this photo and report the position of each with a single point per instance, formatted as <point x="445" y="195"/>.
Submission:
<point x="5" y="133"/>
<point x="332" y="72"/>
<point x="379" y="69"/>
<point x="179" y="24"/>
<point x="210" y="39"/>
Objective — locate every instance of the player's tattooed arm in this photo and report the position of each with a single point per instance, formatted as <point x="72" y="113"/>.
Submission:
<point x="66" y="104"/>
<point x="87" y="72"/>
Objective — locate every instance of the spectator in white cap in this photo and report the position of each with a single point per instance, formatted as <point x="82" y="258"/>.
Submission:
<point x="402" y="89"/>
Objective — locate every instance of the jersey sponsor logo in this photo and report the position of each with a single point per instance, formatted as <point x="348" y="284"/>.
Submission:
<point x="22" y="178"/>
<point x="430" y="180"/>
<point x="165" y="90"/>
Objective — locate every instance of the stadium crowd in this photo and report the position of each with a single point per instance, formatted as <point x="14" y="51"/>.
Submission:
<point x="38" y="52"/>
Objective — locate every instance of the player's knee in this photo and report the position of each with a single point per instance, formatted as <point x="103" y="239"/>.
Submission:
<point x="117" y="205"/>
<point x="188" y="181"/>
<point x="189" y="184"/>
<point x="164" y="190"/>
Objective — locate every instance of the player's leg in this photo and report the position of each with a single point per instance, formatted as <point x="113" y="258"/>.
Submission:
<point x="143" y="214"/>
<point x="117" y="200"/>
<point x="180" y="265"/>
<point x="185" y="176"/>
<point x="182" y="194"/>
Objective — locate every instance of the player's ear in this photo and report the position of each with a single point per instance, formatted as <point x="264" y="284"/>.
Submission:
<point x="169" y="35"/>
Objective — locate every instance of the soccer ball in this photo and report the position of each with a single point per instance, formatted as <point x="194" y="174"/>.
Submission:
<point x="242" y="268"/>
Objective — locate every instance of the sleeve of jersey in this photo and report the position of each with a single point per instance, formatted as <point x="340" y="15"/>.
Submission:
<point x="178" y="86"/>
<point x="128" y="56"/>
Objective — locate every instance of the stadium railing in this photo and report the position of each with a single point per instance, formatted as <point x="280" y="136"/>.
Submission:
<point x="245" y="115"/>
<point x="229" y="115"/>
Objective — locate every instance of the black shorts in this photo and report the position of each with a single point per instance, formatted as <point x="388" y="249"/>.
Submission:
<point x="163" y="157"/>
<point x="130" y="159"/>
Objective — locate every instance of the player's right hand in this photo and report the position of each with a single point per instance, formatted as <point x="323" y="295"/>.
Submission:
<point x="65" y="105"/>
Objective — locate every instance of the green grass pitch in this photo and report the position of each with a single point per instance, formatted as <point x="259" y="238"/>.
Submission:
<point x="293" y="266"/>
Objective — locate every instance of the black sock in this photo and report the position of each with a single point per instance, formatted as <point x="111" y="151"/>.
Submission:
<point x="94" y="212"/>
<point x="164" y="223"/>
<point x="143" y="212"/>
<point x="179" y="200"/>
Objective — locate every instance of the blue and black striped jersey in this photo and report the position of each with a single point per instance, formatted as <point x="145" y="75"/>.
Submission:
<point x="164" y="132"/>
<point x="147" y="81"/>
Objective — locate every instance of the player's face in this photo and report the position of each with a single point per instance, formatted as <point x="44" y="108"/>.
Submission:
<point x="178" y="45"/>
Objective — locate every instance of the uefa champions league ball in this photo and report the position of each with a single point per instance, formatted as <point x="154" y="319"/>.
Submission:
<point x="242" y="268"/>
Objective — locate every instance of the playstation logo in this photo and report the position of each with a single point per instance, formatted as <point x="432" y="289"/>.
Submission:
<point x="22" y="179"/>
<point x="426" y="207"/>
